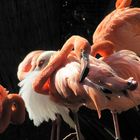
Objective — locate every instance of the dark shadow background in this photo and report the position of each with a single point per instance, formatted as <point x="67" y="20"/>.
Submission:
<point x="27" y="25"/>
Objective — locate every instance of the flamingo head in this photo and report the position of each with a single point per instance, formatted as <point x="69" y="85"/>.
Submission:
<point x="28" y="64"/>
<point x="43" y="59"/>
<point x="41" y="83"/>
<point x="111" y="83"/>
<point x="102" y="48"/>
<point x="104" y="76"/>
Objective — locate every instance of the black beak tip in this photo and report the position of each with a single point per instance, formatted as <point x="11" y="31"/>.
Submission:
<point x="84" y="74"/>
<point x="132" y="84"/>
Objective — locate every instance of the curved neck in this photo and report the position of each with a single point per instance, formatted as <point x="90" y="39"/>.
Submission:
<point x="18" y="109"/>
<point x="104" y="48"/>
<point x="123" y="3"/>
<point x="5" y="114"/>
<point x="75" y="42"/>
<point x="7" y="111"/>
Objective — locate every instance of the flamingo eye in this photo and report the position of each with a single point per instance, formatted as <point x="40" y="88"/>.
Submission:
<point x="14" y="106"/>
<point x="41" y="62"/>
<point x="98" y="56"/>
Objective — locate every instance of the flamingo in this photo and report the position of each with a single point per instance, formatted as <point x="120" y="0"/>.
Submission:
<point x="22" y="71"/>
<point x="30" y="66"/>
<point x="60" y="78"/>
<point x="27" y="66"/>
<point x="121" y="62"/>
<point x="118" y="30"/>
<point x="12" y="109"/>
<point x="121" y="101"/>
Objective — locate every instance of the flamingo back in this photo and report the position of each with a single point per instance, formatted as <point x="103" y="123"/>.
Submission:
<point x="41" y="107"/>
<point x="68" y="91"/>
<point x="121" y="27"/>
<point x="126" y="63"/>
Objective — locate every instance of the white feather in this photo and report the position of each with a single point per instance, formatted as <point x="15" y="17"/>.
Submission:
<point x="41" y="107"/>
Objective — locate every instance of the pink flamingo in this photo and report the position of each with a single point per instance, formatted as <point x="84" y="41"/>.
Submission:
<point x="30" y="65"/>
<point x="126" y="63"/>
<point x="12" y="109"/>
<point x="118" y="30"/>
<point x="60" y="78"/>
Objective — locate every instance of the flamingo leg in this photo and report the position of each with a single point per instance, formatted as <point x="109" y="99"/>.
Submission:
<point x="77" y="127"/>
<point x="78" y="133"/>
<point x="116" y="125"/>
<point x="56" y="128"/>
<point x="53" y="130"/>
<point x="58" y="121"/>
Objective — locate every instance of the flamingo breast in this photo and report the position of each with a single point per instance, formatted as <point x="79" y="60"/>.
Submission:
<point x="41" y="107"/>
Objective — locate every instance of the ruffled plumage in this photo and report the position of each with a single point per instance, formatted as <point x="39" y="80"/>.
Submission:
<point x="41" y="107"/>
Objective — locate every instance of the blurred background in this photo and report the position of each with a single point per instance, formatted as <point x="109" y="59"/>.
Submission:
<point x="27" y="25"/>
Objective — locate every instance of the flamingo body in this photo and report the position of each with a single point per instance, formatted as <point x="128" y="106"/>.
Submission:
<point x="69" y="92"/>
<point x="40" y="107"/>
<point x="62" y="73"/>
<point x="58" y="79"/>
<point x="120" y="28"/>
<point x="12" y="109"/>
<point x="126" y="63"/>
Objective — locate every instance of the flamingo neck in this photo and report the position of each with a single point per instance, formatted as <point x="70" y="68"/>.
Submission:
<point x="18" y="109"/>
<point x="5" y="114"/>
<point x="122" y="3"/>
<point x="104" y="48"/>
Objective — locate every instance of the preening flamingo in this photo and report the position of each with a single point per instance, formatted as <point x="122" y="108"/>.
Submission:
<point x="118" y="30"/>
<point x="12" y="109"/>
<point x="73" y="93"/>
<point x="82" y="53"/>
<point x="60" y="79"/>
<point x="39" y="107"/>
<point x="126" y="64"/>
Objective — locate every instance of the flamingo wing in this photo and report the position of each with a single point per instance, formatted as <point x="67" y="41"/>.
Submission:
<point x="126" y="64"/>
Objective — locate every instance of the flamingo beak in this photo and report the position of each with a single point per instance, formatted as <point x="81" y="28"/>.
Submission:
<point x="132" y="84"/>
<point x="84" y="66"/>
<point x="116" y="83"/>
